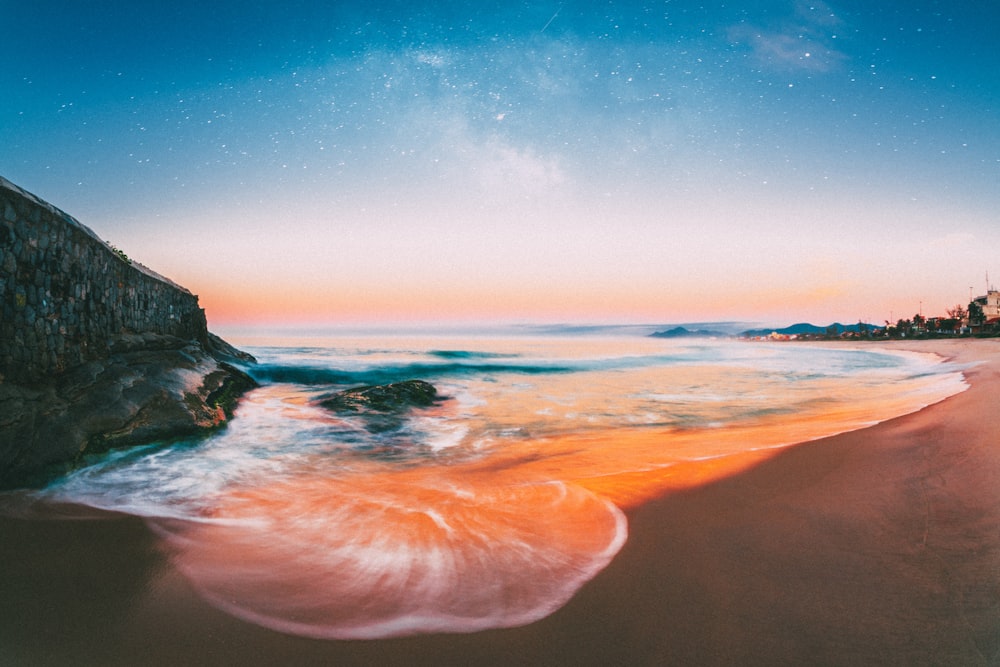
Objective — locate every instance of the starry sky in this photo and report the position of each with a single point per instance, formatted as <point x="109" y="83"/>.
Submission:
<point x="307" y="162"/>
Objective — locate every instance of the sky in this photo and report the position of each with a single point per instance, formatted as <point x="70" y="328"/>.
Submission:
<point x="379" y="163"/>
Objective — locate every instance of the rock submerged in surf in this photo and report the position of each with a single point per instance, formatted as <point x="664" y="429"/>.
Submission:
<point x="383" y="405"/>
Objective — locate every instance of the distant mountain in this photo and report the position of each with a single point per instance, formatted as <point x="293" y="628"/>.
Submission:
<point x="804" y="328"/>
<point x="681" y="332"/>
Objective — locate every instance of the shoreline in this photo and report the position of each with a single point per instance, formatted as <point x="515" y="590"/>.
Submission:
<point x="875" y="546"/>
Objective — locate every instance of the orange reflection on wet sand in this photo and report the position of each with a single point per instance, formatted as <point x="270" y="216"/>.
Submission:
<point x="395" y="553"/>
<point x="629" y="466"/>
<point x="501" y="535"/>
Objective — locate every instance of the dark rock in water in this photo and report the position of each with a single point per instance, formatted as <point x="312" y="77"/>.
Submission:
<point x="150" y="388"/>
<point x="382" y="406"/>
<point x="393" y="397"/>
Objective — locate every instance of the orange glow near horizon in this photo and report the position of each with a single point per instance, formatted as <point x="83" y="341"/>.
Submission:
<point x="279" y="304"/>
<point x="445" y="305"/>
<point x="582" y="260"/>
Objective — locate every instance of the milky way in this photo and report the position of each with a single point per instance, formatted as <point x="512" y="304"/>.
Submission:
<point x="628" y="161"/>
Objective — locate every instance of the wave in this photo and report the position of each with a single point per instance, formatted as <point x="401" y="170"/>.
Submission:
<point x="466" y="354"/>
<point x="323" y="375"/>
<point x="452" y="364"/>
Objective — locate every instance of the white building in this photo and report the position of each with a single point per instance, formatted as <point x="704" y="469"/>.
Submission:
<point x="990" y="304"/>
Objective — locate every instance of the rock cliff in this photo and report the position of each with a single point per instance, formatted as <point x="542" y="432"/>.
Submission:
<point x="96" y="351"/>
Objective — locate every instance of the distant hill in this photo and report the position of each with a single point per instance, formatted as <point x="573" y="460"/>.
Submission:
<point x="804" y="328"/>
<point x="682" y="332"/>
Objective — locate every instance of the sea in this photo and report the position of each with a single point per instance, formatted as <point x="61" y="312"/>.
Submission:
<point x="489" y="508"/>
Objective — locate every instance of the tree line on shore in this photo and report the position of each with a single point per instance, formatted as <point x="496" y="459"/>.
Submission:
<point x="960" y="321"/>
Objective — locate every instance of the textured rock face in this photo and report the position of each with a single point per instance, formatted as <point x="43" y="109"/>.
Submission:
<point x="96" y="351"/>
<point x="65" y="293"/>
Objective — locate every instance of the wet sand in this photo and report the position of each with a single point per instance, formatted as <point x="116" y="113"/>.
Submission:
<point x="880" y="546"/>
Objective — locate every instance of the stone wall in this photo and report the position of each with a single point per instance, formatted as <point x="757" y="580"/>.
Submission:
<point x="66" y="295"/>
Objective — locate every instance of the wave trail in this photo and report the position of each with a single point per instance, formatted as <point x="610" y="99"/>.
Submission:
<point x="404" y="554"/>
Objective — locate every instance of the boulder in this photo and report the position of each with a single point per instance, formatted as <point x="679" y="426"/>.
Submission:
<point x="382" y="406"/>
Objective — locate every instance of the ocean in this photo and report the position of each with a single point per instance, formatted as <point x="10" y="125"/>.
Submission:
<point x="493" y="506"/>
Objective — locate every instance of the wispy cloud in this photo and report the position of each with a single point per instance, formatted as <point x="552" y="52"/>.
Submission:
<point x="503" y="166"/>
<point x="804" y="40"/>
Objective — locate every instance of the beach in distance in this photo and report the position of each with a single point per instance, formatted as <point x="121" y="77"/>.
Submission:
<point x="875" y="545"/>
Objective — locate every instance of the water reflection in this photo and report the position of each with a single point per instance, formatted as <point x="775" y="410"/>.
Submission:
<point x="489" y="509"/>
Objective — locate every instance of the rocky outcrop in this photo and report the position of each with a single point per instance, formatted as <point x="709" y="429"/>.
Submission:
<point x="150" y="388"/>
<point x="96" y="350"/>
<point x="382" y="406"/>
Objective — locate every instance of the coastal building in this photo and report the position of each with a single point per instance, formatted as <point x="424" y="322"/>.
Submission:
<point x="989" y="304"/>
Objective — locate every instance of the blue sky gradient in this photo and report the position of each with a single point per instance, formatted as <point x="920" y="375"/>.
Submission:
<point x="575" y="161"/>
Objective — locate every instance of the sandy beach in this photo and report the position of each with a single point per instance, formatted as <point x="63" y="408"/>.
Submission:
<point x="879" y="546"/>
